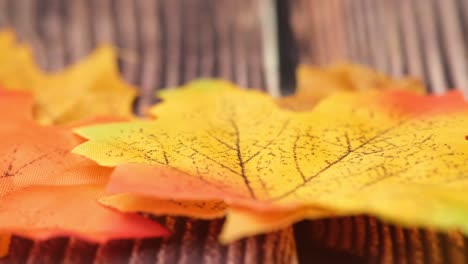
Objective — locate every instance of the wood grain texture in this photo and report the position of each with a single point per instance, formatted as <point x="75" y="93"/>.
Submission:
<point x="160" y="44"/>
<point x="421" y="38"/>
<point x="402" y="37"/>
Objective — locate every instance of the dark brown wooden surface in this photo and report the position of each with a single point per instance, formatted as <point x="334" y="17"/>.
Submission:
<point x="426" y="38"/>
<point x="167" y="42"/>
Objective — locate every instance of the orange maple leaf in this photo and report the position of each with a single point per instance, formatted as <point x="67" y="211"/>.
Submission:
<point x="31" y="154"/>
<point x="46" y="191"/>
<point x="43" y="212"/>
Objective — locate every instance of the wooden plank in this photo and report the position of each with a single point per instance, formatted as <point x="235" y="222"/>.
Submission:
<point x="160" y="44"/>
<point x="420" y="38"/>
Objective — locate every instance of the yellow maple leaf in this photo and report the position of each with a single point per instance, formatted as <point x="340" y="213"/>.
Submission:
<point x="90" y="88"/>
<point x="315" y="83"/>
<point x="213" y="141"/>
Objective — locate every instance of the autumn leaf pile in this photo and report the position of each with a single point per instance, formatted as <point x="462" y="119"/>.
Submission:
<point x="74" y="161"/>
